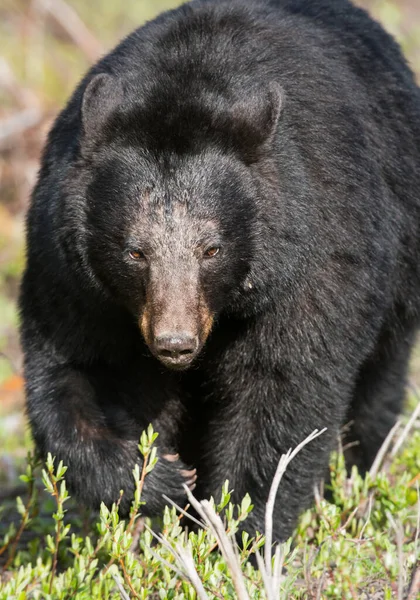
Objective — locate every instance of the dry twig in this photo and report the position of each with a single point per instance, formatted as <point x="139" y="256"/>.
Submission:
<point x="70" y="22"/>
<point x="403" y="436"/>
<point x="382" y="451"/>
<point x="18" y="124"/>
<point x="414" y="590"/>
<point x="400" y="543"/>
<point x="227" y="548"/>
<point x="121" y="590"/>
<point x="273" y="577"/>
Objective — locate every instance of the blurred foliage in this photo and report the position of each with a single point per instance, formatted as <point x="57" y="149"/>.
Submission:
<point x="44" y="54"/>
<point x="402" y="20"/>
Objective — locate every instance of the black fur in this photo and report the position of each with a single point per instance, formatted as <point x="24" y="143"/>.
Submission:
<point x="287" y="133"/>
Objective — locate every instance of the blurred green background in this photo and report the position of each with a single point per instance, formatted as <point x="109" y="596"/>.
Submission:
<point x="46" y="46"/>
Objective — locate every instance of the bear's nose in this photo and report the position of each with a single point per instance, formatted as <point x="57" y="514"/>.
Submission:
<point x="176" y="349"/>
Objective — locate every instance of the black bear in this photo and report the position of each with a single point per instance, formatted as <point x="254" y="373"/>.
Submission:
<point x="224" y="242"/>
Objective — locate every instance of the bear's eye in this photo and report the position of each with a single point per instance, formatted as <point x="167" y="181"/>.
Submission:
<point x="137" y="255"/>
<point x="211" y="252"/>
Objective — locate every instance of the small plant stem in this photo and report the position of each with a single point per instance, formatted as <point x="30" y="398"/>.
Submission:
<point x="127" y="579"/>
<point x="57" y="533"/>
<point x="13" y="542"/>
<point x="141" y="485"/>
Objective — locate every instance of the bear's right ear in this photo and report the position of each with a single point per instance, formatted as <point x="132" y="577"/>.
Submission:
<point x="102" y="96"/>
<point x="254" y="120"/>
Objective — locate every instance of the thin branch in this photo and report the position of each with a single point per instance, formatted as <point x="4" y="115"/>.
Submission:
<point x="264" y="575"/>
<point x="70" y="22"/>
<point x="400" y="541"/>
<point x="58" y="526"/>
<point x="13" y="541"/>
<point x="188" y="563"/>
<point x="165" y="562"/>
<point x="123" y="593"/>
<point x="414" y="590"/>
<point x="136" y="532"/>
<point x="184" y="558"/>
<point x="321" y="584"/>
<point x="277" y="571"/>
<point x="163" y="541"/>
<point x="8" y="81"/>
<point x="284" y="461"/>
<point x="382" y="451"/>
<point x="416" y="539"/>
<point x="207" y="512"/>
<point x="401" y="439"/>
<point x="127" y="579"/>
<point x="365" y="524"/>
<point x="184" y="512"/>
<point x="18" y="124"/>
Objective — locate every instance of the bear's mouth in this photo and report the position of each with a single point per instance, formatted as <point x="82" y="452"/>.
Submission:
<point x="178" y="361"/>
<point x="176" y="364"/>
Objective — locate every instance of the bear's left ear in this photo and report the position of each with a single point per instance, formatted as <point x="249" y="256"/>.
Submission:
<point x="255" y="119"/>
<point x="102" y="96"/>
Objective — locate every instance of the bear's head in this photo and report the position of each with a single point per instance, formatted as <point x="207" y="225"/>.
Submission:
<point x="171" y="205"/>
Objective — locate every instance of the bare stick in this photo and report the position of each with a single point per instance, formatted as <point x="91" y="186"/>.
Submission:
<point x="187" y="559"/>
<point x="16" y="370"/>
<point x="207" y="512"/>
<point x="123" y="593"/>
<point x="8" y="81"/>
<point x="17" y="125"/>
<point x="162" y="541"/>
<point x="382" y="451"/>
<point x="414" y="591"/>
<point x="400" y="540"/>
<point x="321" y="584"/>
<point x="171" y="566"/>
<point x="70" y="22"/>
<point x="184" y="558"/>
<point x="401" y="439"/>
<point x="262" y="570"/>
<point x="367" y="518"/>
<point x="416" y="539"/>
<point x="184" y="512"/>
<point x="284" y="461"/>
<point x="277" y="571"/>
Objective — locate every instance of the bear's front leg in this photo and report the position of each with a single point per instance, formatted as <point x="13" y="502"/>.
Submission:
<point x="245" y="444"/>
<point x="85" y="419"/>
<point x="264" y="401"/>
<point x="246" y="451"/>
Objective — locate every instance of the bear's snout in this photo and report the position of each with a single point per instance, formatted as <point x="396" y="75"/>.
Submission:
<point x="175" y="320"/>
<point x="176" y="350"/>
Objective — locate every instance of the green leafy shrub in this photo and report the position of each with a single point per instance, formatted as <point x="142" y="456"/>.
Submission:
<point x="365" y="542"/>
